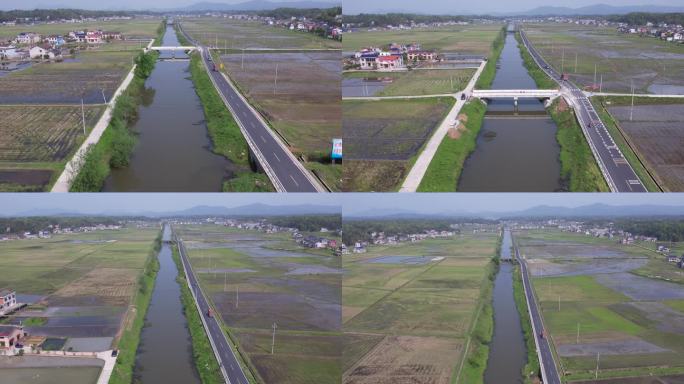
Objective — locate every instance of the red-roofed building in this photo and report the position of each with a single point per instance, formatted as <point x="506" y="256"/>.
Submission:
<point x="390" y="62"/>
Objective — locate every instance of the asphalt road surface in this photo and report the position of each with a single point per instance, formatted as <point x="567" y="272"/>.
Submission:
<point x="546" y="356"/>
<point x="623" y="178"/>
<point x="227" y="358"/>
<point x="289" y="173"/>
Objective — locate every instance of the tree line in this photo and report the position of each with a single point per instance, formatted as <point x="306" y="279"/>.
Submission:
<point x="381" y="20"/>
<point x="56" y="14"/>
<point x="361" y="230"/>
<point x="308" y="223"/>
<point x="327" y="15"/>
<point x="641" y="18"/>
<point x="17" y="225"/>
<point x="664" y="230"/>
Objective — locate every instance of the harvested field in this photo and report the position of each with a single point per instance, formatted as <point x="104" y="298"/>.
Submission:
<point x="101" y="286"/>
<point x="24" y="180"/>
<point x="305" y="107"/>
<point x="641" y="288"/>
<point x="390" y="129"/>
<point x="42" y="133"/>
<point x="238" y="34"/>
<point x="420" y="306"/>
<point x="38" y="375"/>
<point x="655" y="66"/>
<point x="407" y="359"/>
<point x="373" y="175"/>
<point x="279" y="282"/>
<point x="655" y="131"/>
<point x="70" y="80"/>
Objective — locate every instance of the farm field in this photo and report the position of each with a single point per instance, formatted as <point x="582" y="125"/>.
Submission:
<point x="304" y="105"/>
<point x="87" y="75"/>
<point x="382" y="138"/>
<point x="467" y="39"/>
<point x="655" y="66"/>
<point x="407" y="309"/>
<point x="239" y="34"/>
<point x="654" y="131"/>
<point x="255" y="280"/>
<point x="79" y="287"/>
<point x="131" y="29"/>
<point x="37" y="140"/>
<point x="416" y="82"/>
<point x="599" y="286"/>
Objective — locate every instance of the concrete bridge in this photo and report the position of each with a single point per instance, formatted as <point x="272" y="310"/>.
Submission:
<point x="169" y="48"/>
<point x="516" y="93"/>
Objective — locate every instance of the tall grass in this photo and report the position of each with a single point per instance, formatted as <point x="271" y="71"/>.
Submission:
<point x="489" y="72"/>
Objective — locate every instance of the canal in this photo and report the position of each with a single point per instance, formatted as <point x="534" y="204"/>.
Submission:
<point x="516" y="149"/>
<point x="507" y="350"/>
<point x="165" y="351"/>
<point x="173" y="152"/>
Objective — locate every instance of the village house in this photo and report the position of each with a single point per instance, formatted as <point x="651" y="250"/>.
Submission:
<point x="367" y="60"/>
<point x="11" y="337"/>
<point x="11" y="53"/>
<point x="27" y="38"/>
<point x="41" y="53"/>
<point x="420" y="56"/>
<point x="672" y="258"/>
<point x="389" y="62"/>
<point x="55" y="40"/>
<point x="8" y="301"/>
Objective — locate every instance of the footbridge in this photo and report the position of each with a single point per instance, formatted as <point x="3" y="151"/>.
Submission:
<point x="516" y="93"/>
<point x="171" y="48"/>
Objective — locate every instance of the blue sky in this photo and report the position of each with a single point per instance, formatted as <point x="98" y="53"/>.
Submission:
<point x="13" y="203"/>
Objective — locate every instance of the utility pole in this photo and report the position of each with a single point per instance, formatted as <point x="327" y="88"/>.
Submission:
<point x="83" y="117"/>
<point x="575" y="62"/>
<point x="275" y="82"/>
<point x="577" y="340"/>
<point x="225" y="280"/>
<point x="558" y="303"/>
<point x="601" y="84"/>
<point x="103" y="96"/>
<point x="273" y="339"/>
<point x="563" y="60"/>
<point x="631" y="110"/>
<point x="242" y="65"/>
<point x="598" y="355"/>
<point x="594" y="75"/>
<point x="237" y="296"/>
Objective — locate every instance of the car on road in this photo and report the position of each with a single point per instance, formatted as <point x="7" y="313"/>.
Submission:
<point x="210" y="313"/>
<point x="463" y="96"/>
<point x="115" y="352"/>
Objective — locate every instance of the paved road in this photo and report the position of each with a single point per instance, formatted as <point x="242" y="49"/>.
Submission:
<point x="229" y="363"/>
<point x="284" y="170"/>
<point x="546" y="359"/>
<point x="618" y="172"/>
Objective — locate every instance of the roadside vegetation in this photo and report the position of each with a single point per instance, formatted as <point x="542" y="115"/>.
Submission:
<point x="540" y="77"/>
<point x="202" y="353"/>
<point x="118" y="140"/>
<point x="445" y="168"/>
<point x="579" y="170"/>
<point x="130" y="338"/>
<point x="531" y="370"/>
<point x="489" y="72"/>
<point x="225" y="134"/>
<point x="483" y="328"/>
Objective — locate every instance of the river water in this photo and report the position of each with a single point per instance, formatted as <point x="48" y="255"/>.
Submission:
<point x="507" y="351"/>
<point x="173" y="152"/>
<point x="513" y="153"/>
<point x="165" y="351"/>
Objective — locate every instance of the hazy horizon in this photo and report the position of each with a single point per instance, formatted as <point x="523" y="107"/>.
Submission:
<point x="133" y="5"/>
<point x="353" y="7"/>
<point x="95" y="203"/>
<point x="438" y="203"/>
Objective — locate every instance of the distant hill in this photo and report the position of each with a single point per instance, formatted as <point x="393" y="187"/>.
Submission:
<point x="593" y="210"/>
<point x="256" y="5"/>
<point x="201" y="210"/>
<point x="599" y="10"/>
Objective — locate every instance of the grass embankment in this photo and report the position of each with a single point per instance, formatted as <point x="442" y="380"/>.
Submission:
<point x="540" y="77"/>
<point x="487" y="76"/>
<point x="202" y="353"/>
<point x="446" y="166"/>
<point x="531" y="370"/>
<point x="130" y="337"/>
<point x="579" y="170"/>
<point x="225" y="134"/>
<point x="620" y="139"/>
<point x="483" y="328"/>
<point x="118" y="140"/>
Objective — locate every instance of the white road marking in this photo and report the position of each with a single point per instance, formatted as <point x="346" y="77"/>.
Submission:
<point x="262" y="138"/>
<point x="276" y="156"/>
<point x="295" y="181"/>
